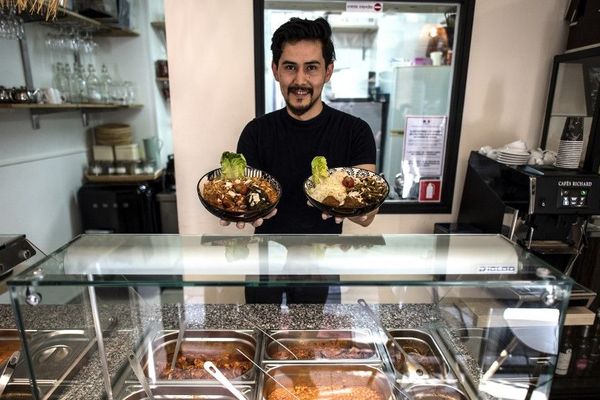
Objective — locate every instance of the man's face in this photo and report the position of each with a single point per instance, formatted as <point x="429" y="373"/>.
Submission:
<point x="301" y="74"/>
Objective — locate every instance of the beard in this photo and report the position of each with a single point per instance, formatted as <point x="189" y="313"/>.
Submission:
<point x="299" y="110"/>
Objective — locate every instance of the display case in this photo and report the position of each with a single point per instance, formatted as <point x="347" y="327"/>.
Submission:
<point x="289" y="317"/>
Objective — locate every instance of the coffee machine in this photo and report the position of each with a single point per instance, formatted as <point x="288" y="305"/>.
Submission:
<point x="543" y="208"/>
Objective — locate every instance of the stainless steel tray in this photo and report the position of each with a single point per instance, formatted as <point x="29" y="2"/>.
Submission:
<point x="310" y="346"/>
<point x="433" y="391"/>
<point x="185" y="392"/>
<point x="424" y="349"/>
<point x="219" y="346"/>
<point x="17" y="391"/>
<point x="355" y="380"/>
<point x="56" y="356"/>
<point x="22" y="391"/>
<point x="10" y="341"/>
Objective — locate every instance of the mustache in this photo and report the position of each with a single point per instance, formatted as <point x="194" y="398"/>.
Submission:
<point x="308" y="89"/>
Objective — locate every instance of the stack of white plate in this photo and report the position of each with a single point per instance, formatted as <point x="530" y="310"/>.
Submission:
<point x="569" y="154"/>
<point x="513" y="156"/>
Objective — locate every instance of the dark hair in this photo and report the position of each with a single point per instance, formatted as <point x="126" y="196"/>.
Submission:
<point x="297" y="29"/>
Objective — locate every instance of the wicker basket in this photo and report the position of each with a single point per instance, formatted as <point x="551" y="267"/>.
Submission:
<point x="113" y="134"/>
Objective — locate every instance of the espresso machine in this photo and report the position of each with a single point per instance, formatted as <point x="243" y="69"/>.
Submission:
<point x="542" y="208"/>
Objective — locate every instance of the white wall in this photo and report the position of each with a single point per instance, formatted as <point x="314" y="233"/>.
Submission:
<point x="41" y="170"/>
<point x="211" y="72"/>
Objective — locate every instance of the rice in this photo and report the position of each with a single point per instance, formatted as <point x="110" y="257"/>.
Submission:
<point x="330" y="186"/>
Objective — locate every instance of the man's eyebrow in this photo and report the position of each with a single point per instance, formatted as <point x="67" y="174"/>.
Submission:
<point x="287" y="62"/>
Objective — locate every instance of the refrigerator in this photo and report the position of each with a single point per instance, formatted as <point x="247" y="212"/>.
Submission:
<point x="414" y="90"/>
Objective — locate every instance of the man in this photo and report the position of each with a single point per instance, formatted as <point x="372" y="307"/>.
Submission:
<point x="284" y="142"/>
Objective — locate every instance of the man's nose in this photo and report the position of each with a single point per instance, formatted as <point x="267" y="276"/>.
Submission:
<point x="301" y="76"/>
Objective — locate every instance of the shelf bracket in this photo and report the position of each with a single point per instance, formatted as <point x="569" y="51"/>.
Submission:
<point x="85" y="120"/>
<point x="35" y="120"/>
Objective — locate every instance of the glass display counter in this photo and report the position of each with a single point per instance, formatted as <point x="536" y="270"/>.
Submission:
<point x="289" y="317"/>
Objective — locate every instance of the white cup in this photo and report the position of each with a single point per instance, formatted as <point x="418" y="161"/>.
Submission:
<point x="549" y="157"/>
<point x="517" y="145"/>
<point x="436" y="57"/>
<point x="50" y="96"/>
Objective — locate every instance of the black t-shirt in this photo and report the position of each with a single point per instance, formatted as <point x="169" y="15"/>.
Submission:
<point x="284" y="147"/>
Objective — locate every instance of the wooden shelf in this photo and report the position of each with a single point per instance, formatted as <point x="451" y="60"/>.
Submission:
<point x="70" y="18"/>
<point x="37" y="110"/>
<point x="67" y="106"/>
<point x="123" y="178"/>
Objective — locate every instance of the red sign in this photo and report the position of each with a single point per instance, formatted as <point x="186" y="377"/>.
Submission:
<point x="430" y="190"/>
<point x="377" y="6"/>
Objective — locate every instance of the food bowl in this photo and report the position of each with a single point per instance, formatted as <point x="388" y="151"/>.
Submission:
<point x="337" y="211"/>
<point x="239" y="216"/>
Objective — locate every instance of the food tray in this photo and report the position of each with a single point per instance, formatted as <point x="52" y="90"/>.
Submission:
<point x="10" y="342"/>
<point x="349" y="381"/>
<point x="435" y="391"/>
<point x="56" y="356"/>
<point x="486" y="345"/>
<point x="185" y="392"/>
<point x="309" y="346"/>
<point x="425" y="351"/>
<point x="218" y="346"/>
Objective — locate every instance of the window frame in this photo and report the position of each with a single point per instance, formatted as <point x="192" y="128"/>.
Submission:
<point x="462" y="42"/>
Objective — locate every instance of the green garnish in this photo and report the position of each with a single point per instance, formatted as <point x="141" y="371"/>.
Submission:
<point x="233" y="165"/>
<point x="319" y="169"/>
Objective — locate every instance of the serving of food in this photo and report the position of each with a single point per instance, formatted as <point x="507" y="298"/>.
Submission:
<point x="322" y="382"/>
<point x="419" y="352"/>
<point x="237" y="192"/>
<point x="344" y="191"/>
<point x="191" y="359"/>
<point x="334" y="392"/>
<point x="336" y="349"/>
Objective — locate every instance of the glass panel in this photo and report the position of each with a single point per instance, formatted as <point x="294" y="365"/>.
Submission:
<point x="576" y="92"/>
<point x="171" y="260"/>
<point x="475" y="317"/>
<point x="390" y="63"/>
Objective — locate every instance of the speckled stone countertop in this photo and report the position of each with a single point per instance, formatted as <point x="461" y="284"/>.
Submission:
<point x="133" y="321"/>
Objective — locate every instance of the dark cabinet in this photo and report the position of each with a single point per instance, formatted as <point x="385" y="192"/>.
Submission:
<point x="120" y="208"/>
<point x="584" y="23"/>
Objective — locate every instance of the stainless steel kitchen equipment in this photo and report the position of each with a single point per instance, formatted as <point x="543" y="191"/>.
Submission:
<point x="418" y="286"/>
<point x="14" y="250"/>
<point x="543" y="208"/>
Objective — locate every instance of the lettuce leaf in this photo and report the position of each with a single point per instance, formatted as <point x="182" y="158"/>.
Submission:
<point x="319" y="169"/>
<point x="233" y="165"/>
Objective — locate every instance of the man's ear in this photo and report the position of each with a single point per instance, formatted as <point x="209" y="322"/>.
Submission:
<point x="275" y="71"/>
<point x="328" y="72"/>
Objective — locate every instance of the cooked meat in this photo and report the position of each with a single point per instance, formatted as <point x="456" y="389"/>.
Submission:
<point x="330" y="349"/>
<point x="420" y="353"/>
<point x="331" y="201"/>
<point x="352" y="202"/>
<point x="190" y="363"/>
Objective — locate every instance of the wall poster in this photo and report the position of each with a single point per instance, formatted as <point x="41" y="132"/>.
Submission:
<point x="423" y="155"/>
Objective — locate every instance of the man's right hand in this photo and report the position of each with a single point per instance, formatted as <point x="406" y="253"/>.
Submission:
<point x="256" y="224"/>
